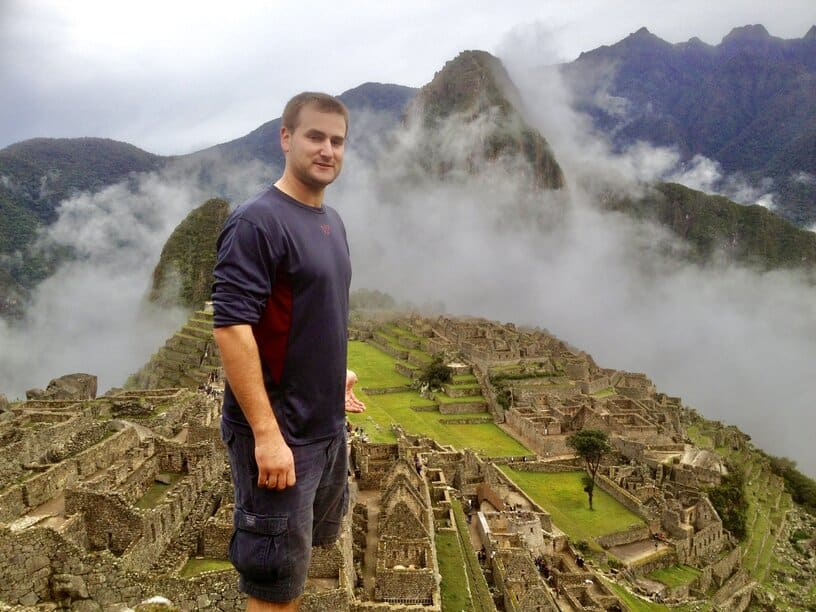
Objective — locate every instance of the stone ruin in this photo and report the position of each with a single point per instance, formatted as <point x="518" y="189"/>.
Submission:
<point x="105" y="501"/>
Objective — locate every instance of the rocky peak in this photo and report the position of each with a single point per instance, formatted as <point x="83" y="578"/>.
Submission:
<point x="811" y="33"/>
<point x="747" y="34"/>
<point x="475" y="85"/>
<point x="752" y="40"/>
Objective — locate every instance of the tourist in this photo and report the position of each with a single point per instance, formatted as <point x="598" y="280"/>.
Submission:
<point x="280" y="315"/>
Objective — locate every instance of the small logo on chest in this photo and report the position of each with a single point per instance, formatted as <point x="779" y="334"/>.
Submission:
<point x="326" y="229"/>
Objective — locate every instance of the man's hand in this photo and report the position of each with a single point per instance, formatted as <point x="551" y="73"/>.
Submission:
<point x="276" y="465"/>
<point x="242" y="365"/>
<point x="352" y="403"/>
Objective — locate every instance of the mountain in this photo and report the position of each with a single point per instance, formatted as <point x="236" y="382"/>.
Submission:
<point x="35" y="176"/>
<point x="748" y="103"/>
<point x="714" y="226"/>
<point x="475" y="87"/>
<point x="183" y="275"/>
<point x="263" y="143"/>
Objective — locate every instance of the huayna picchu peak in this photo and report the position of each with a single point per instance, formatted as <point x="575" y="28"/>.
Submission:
<point x="475" y="87"/>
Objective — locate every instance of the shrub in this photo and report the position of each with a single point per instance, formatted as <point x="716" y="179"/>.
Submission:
<point x="728" y="499"/>
<point x="436" y="373"/>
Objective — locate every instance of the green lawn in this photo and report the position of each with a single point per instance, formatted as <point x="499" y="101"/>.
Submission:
<point x="675" y="576"/>
<point x="156" y="491"/>
<point x="454" y="586"/>
<point x="382" y="411"/>
<point x="608" y="392"/>
<point x="193" y="567"/>
<point x="562" y="495"/>
<point x="387" y="409"/>
<point x="374" y="368"/>
<point x="699" y="437"/>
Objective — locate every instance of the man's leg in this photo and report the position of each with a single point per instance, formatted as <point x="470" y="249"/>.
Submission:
<point x="272" y="543"/>
<point x="259" y="605"/>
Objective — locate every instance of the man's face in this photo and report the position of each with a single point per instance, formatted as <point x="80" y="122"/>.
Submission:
<point x="314" y="150"/>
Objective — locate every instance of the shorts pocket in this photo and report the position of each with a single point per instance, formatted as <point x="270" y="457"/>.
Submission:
<point x="259" y="548"/>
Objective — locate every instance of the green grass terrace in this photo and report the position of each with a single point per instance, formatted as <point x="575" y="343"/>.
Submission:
<point x="375" y="370"/>
<point x="562" y="495"/>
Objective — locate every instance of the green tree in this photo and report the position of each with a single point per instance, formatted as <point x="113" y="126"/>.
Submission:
<point x="591" y="445"/>
<point x="435" y="374"/>
<point x="728" y="499"/>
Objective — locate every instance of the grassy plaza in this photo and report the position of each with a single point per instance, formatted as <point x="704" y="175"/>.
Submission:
<point x="562" y="495"/>
<point x="375" y="370"/>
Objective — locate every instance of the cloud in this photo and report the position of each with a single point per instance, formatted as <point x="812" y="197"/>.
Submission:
<point x="735" y="344"/>
<point x="706" y="175"/>
<point x="91" y="316"/>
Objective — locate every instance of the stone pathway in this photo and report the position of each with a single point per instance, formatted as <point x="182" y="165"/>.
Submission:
<point x="372" y="501"/>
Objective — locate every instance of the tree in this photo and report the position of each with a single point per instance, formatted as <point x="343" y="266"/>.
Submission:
<point x="591" y="445"/>
<point x="435" y="374"/>
<point x="728" y="499"/>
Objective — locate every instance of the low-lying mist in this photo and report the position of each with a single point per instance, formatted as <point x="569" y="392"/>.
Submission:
<point x="736" y="344"/>
<point x="91" y="315"/>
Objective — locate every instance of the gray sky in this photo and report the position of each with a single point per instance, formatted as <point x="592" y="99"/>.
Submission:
<point x="176" y="76"/>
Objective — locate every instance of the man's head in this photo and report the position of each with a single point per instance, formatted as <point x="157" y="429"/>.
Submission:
<point x="313" y="135"/>
<point x="319" y="101"/>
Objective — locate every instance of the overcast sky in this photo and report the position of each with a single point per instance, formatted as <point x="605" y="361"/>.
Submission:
<point x="174" y="77"/>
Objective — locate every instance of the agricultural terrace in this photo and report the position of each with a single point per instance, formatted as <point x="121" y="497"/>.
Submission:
<point x="638" y="604"/>
<point x="562" y="495"/>
<point x="375" y="370"/>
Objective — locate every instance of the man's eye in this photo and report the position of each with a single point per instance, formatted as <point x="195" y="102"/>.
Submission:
<point x="337" y="142"/>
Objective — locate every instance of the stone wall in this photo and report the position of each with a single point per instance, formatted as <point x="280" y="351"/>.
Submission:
<point x="633" y="534"/>
<point x="35" y="444"/>
<point x="629" y="501"/>
<point x="405" y="585"/>
<point x="43" y="487"/>
<point x="656" y="561"/>
<point x="462" y="407"/>
<point x="12" y="504"/>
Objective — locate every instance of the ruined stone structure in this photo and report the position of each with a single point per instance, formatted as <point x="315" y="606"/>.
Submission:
<point x="189" y="358"/>
<point x="106" y="501"/>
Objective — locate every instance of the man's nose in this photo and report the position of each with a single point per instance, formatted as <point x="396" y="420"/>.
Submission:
<point x="326" y="149"/>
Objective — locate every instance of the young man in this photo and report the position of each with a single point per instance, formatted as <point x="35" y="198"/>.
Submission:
<point x="281" y="311"/>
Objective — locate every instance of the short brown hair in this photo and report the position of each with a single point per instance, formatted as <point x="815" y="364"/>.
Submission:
<point x="321" y="101"/>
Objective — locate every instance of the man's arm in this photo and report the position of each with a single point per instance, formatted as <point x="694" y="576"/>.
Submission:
<point x="242" y="366"/>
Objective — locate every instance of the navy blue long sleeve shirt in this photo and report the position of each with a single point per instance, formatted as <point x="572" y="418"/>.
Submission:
<point x="283" y="267"/>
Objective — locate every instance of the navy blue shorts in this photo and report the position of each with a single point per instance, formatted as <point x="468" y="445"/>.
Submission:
<point x="275" y="530"/>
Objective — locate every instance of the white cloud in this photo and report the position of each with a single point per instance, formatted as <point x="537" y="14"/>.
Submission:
<point x="91" y="316"/>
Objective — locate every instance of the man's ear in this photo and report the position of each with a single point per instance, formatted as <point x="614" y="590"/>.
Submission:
<point x="285" y="136"/>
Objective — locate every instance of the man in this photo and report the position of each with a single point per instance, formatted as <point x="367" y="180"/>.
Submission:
<point x="281" y="312"/>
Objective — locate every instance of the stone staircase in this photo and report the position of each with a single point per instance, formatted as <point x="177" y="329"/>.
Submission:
<point x="189" y="358"/>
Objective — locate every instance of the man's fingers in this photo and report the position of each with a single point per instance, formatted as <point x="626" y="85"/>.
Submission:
<point x="290" y="477"/>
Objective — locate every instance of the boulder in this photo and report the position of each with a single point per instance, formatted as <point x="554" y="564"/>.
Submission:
<point x="72" y="387"/>
<point x="34" y="394"/>
<point x="4" y="403"/>
<point x="68" y="586"/>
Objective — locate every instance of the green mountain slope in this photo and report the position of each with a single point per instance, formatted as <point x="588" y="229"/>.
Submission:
<point x="183" y="275"/>
<point x="714" y="224"/>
